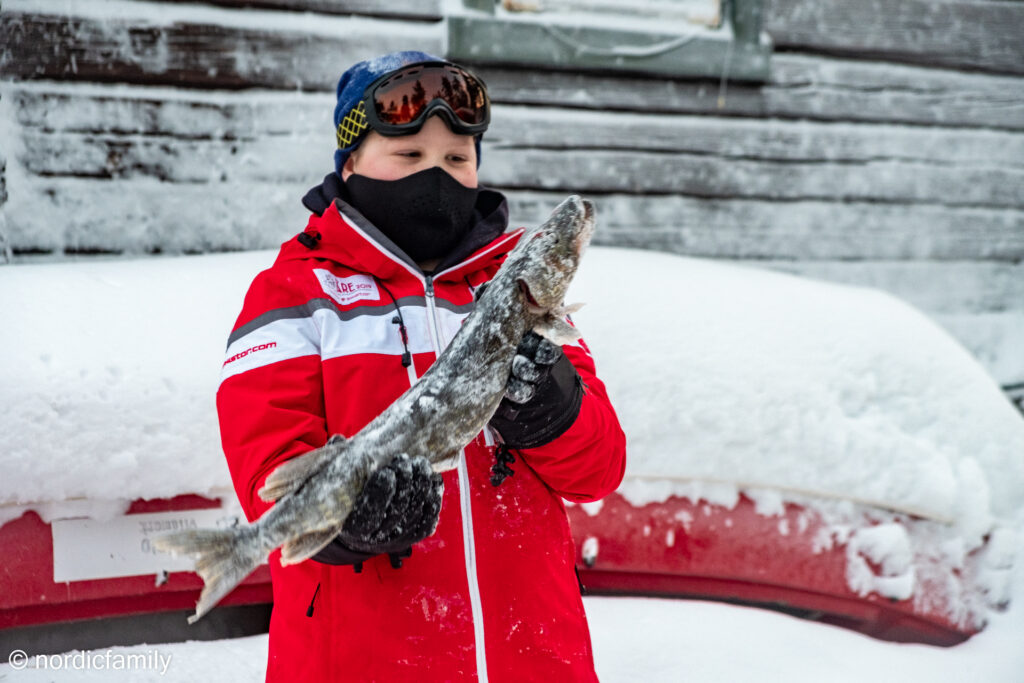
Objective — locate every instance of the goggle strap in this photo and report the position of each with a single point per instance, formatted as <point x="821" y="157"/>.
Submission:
<point x="352" y="126"/>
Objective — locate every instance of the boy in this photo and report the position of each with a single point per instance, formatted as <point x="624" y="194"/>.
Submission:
<point x="354" y="309"/>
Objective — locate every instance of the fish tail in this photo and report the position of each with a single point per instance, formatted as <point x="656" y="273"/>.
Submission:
<point x="223" y="558"/>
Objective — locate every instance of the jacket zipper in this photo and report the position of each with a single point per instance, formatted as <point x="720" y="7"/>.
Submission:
<point x="468" y="540"/>
<point x="433" y="326"/>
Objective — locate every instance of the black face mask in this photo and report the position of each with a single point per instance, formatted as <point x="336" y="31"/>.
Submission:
<point x="426" y="214"/>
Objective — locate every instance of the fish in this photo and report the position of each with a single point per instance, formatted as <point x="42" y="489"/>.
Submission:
<point x="436" y="417"/>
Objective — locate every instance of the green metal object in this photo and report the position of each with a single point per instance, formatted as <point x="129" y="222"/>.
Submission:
<point x="747" y="19"/>
<point x="737" y="50"/>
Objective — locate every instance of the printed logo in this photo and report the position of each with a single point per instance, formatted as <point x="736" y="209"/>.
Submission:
<point x="252" y="349"/>
<point x="345" y="290"/>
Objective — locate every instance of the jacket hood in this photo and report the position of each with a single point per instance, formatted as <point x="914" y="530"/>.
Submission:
<point x="338" y="232"/>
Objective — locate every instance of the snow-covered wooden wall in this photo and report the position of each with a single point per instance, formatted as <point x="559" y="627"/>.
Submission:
<point x="887" y="147"/>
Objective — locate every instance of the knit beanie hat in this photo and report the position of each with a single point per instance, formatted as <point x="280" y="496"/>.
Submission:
<point x="351" y="132"/>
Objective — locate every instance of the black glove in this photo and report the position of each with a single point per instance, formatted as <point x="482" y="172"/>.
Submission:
<point x="542" y="397"/>
<point x="399" y="506"/>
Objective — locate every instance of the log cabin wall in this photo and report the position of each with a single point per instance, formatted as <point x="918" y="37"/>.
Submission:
<point x="885" y="149"/>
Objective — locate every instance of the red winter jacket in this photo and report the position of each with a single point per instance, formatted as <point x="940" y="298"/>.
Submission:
<point x="492" y="594"/>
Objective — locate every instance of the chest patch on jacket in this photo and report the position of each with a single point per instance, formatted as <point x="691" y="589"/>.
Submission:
<point x="345" y="290"/>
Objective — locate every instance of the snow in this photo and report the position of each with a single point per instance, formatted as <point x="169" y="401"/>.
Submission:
<point x="886" y="545"/>
<point x="728" y="380"/>
<point x="724" y="373"/>
<point x="109" y="377"/>
<point x="591" y="547"/>
<point x="842" y="395"/>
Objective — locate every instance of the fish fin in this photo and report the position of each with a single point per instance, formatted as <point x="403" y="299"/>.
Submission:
<point x="448" y="462"/>
<point x="556" y="330"/>
<point x="298" y="549"/>
<point x="290" y="475"/>
<point x="224" y="558"/>
<point x="571" y="308"/>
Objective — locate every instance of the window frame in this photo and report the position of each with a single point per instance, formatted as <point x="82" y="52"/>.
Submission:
<point x="737" y="50"/>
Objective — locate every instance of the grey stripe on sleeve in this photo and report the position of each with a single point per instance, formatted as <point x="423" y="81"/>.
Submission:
<point x="307" y="310"/>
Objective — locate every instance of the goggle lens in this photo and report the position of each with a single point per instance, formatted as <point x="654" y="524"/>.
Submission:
<point x="403" y="97"/>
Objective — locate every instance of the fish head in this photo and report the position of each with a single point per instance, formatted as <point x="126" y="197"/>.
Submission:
<point x="550" y="253"/>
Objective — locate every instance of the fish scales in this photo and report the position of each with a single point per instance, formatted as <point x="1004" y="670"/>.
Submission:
<point x="441" y="413"/>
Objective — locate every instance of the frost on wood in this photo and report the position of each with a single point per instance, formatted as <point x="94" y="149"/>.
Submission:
<point x="172" y="43"/>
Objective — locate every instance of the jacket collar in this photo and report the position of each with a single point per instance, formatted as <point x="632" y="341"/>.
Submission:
<point x="338" y="232"/>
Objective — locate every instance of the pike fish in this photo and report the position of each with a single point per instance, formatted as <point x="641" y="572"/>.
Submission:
<point x="436" y="417"/>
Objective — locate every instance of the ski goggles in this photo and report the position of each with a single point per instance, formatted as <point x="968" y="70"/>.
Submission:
<point x="399" y="102"/>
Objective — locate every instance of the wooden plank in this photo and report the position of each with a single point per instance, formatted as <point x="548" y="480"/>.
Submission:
<point x="220" y="55"/>
<point x="282" y="158"/>
<point x="935" y="286"/>
<point x="145" y="215"/>
<point x="280" y="138"/>
<point x="706" y="176"/>
<point x="797" y="231"/>
<point x="822" y="88"/>
<point x="407" y="9"/>
<point x="273" y="159"/>
<point x="217" y="55"/>
<point x="800" y="87"/>
<point x="203" y="116"/>
<point x="81" y="117"/>
<point x="963" y="34"/>
<point x="516" y="127"/>
<point x="292" y="158"/>
<point x="46" y="214"/>
<point x="290" y="142"/>
<point x="166" y="112"/>
<point x="198" y="115"/>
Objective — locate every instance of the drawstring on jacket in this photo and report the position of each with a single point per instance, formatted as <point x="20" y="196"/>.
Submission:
<point x="309" y="612"/>
<point x="400" y="321"/>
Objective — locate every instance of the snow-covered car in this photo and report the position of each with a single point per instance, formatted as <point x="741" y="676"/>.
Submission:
<point x="821" y="449"/>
